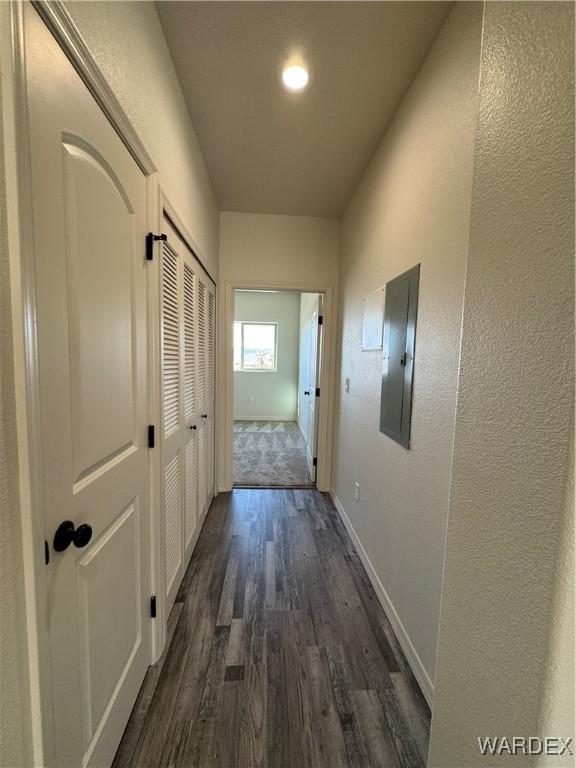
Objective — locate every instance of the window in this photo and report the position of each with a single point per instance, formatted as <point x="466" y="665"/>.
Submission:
<point x="255" y="346"/>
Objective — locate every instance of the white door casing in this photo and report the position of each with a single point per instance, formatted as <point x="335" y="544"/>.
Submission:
<point x="324" y="406"/>
<point x="89" y="213"/>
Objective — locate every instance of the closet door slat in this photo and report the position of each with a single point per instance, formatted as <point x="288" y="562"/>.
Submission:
<point x="189" y="343"/>
<point x="170" y="341"/>
<point x="201" y="370"/>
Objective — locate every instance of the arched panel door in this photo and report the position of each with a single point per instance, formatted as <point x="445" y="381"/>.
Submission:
<point x="89" y="205"/>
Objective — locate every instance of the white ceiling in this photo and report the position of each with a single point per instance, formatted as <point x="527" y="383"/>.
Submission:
<point x="269" y="151"/>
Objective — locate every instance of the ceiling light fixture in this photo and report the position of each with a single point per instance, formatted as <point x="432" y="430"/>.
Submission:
<point x="295" y="78"/>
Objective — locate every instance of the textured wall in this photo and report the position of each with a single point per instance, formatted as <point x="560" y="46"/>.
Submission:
<point x="262" y="247"/>
<point x="411" y="207"/>
<point x="515" y="399"/>
<point x="15" y="726"/>
<point x="275" y="393"/>
<point x="558" y="715"/>
<point x="128" y="43"/>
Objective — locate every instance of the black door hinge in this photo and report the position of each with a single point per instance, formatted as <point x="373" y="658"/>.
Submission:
<point x="46" y="552"/>
<point x="320" y="320"/>
<point x="153" y="606"/>
<point x="317" y="391"/>
<point x="151" y="238"/>
<point x="151" y="436"/>
<point x="314" y="461"/>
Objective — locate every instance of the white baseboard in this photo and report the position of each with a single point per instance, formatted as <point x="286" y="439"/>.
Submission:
<point x="410" y="652"/>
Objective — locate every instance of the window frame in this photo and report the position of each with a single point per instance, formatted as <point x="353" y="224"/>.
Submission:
<point x="242" y="369"/>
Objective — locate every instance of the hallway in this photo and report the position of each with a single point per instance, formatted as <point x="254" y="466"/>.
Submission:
<point x="278" y="652"/>
<point x="286" y="408"/>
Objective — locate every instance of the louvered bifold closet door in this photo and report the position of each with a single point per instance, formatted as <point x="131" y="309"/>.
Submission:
<point x="190" y="409"/>
<point x="202" y="379"/>
<point x="210" y="394"/>
<point x="206" y="382"/>
<point x="187" y="343"/>
<point x="173" y="420"/>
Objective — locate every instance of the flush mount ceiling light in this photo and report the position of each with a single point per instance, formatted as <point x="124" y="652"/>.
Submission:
<point x="295" y="78"/>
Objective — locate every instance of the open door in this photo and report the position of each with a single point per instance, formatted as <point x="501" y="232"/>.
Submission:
<point x="310" y="364"/>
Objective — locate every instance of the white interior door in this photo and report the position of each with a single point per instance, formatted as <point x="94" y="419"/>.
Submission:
<point x="314" y="346"/>
<point x="174" y="434"/>
<point x="206" y="380"/>
<point x="211" y="321"/>
<point x="89" y="211"/>
<point x="187" y="353"/>
<point x="190" y="325"/>
<point x="304" y="365"/>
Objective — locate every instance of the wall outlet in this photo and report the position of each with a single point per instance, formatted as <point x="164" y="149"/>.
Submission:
<point x="356" y="491"/>
<point x="346" y="385"/>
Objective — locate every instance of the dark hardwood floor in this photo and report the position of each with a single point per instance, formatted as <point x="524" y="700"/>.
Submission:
<point x="279" y="653"/>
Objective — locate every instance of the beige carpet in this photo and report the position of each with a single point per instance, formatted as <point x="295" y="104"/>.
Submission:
<point x="269" y="453"/>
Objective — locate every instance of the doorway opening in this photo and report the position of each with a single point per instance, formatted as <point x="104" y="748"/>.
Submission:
<point x="277" y="367"/>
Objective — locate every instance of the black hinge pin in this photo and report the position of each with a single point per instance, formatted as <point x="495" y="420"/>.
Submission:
<point x="153" y="606"/>
<point x="151" y="436"/>
<point x="314" y="461"/>
<point x="151" y="238"/>
<point x="317" y="391"/>
<point x="46" y="552"/>
<point x="320" y="320"/>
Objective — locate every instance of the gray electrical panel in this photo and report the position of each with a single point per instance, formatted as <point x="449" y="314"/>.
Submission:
<point x="400" y="312"/>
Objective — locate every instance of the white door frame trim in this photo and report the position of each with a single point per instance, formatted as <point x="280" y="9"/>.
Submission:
<point x="327" y="379"/>
<point x="63" y="28"/>
<point x="23" y="302"/>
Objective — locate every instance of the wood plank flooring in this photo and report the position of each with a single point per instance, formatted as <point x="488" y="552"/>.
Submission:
<point x="279" y="653"/>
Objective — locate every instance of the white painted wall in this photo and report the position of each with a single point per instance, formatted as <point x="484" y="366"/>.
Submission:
<point x="274" y="392"/>
<point x="266" y="247"/>
<point x="412" y="206"/>
<point x="505" y="659"/>
<point x="266" y="250"/>
<point x="128" y="44"/>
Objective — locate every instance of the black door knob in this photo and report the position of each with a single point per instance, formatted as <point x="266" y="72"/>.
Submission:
<point x="306" y="392"/>
<point x="67" y="534"/>
<point x="204" y="415"/>
<point x="193" y="426"/>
